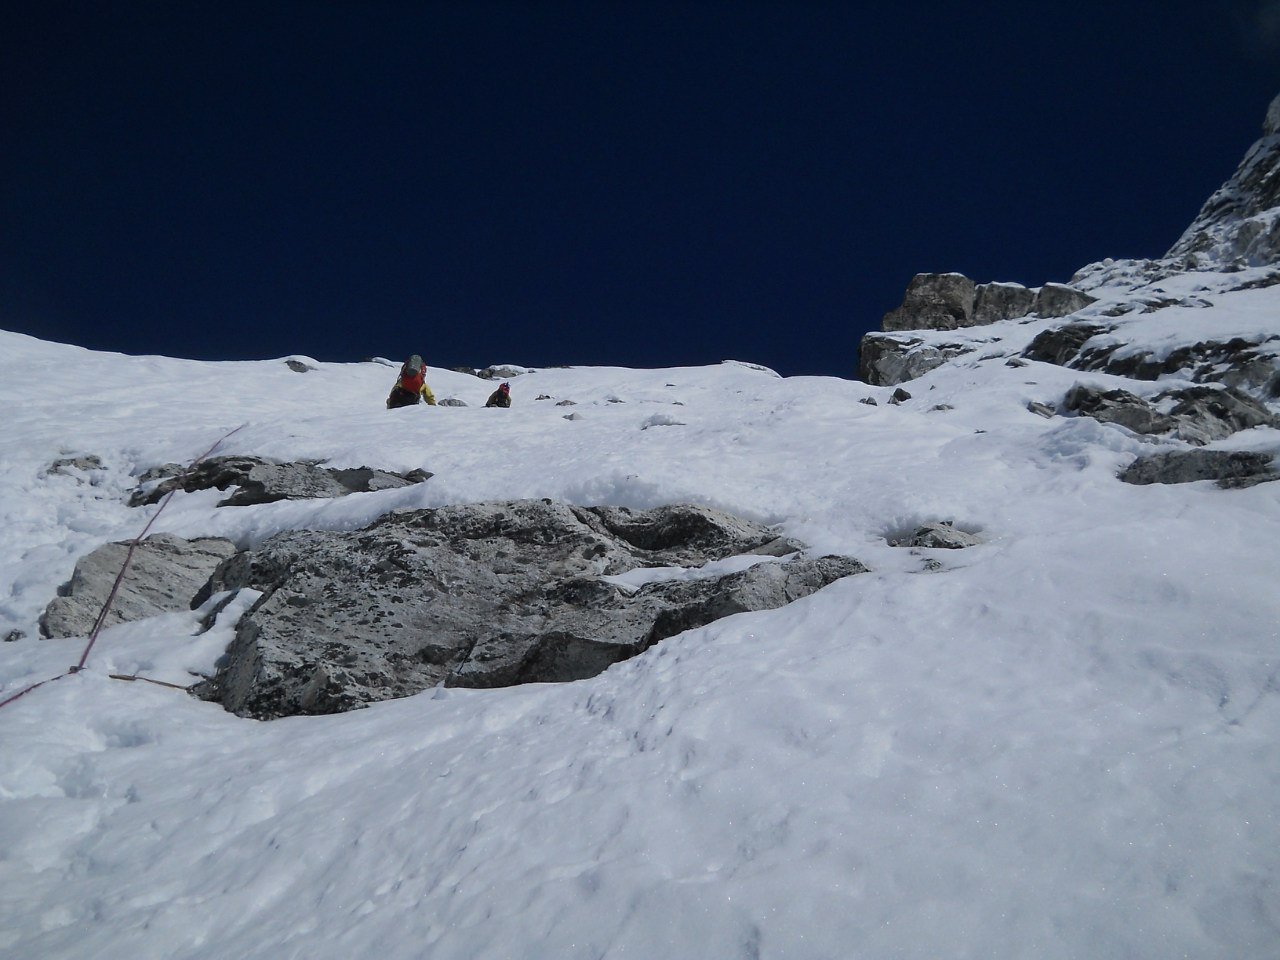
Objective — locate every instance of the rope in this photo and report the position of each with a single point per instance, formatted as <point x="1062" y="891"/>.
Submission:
<point x="35" y="686"/>
<point x="101" y="620"/>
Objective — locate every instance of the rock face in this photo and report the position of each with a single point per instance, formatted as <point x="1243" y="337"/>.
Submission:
<point x="884" y="361"/>
<point x="993" y="302"/>
<point x="483" y="595"/>
<point x="1198" y="415"/>
<point x="1237" y="228"/>
<point x="263" y="481"/>
<point x="1062" y="345"/>
<point x="1252" y="366"/>
<point x="166" y="574"/>
<point x="1059" y="300"/>
<point x="1240" y="224"/>
<point x="934" y="301"/>
<point x="1230" y="468"/>
<point x="950" y="301"/>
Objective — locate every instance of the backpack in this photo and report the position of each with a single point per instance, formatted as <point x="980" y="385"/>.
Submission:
<point x="411" y="374"/>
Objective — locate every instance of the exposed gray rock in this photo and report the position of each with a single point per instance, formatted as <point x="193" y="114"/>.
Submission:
<point x="86" y="468"/>
<point x="1116" y="406"/>
<point x="263" y="481"/>
<point x="899" y="396"/>
<point x="13" y="636"/>
<point x="1059" y="300"/>
<point x="1237" y="228"/>
<point x="1240" y="224"/>
<point x="451" y="402"/>
<point x="1230" y="468"/>
<point x="502" y="373"/>
<point x="297" y="366"/>
<point x="940" y="534"/>
<point x="1204" y="414"/>
<point x="885" y="360"/>
<point x="869" y="401"/>
<point x="482" y="595"/>
<point x="1198" y="415"/>
<point x="1062" y="344"/>
<point x="1238" y="362"/>
<point x="69" y="466"/>
<point x="1041" y="409"/>
<point x="994" y="302"/>
<point x="933" y="301"/>
<point x="949" y="301"/>
<point x="166" y="573"/>
<point x="1251" y="365"/>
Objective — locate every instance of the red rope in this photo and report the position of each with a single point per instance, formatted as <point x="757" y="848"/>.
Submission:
<point x="115" y="587"/>
<point x="35" y="686"/>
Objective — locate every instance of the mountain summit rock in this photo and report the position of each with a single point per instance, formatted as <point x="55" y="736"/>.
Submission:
<point x="1235" y="237"/>
<point x="1239" y="226"/>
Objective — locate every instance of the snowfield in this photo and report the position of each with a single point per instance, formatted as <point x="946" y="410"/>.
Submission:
<point x="1062" y="743"/>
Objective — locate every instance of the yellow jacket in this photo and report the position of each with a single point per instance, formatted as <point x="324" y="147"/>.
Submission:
<point x="424" y="390"/>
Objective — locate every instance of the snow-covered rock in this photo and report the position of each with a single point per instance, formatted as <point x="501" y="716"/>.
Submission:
<point x="1240" y="224"/>
<point x="483" y="595"/>
<point x="165" y="574"/>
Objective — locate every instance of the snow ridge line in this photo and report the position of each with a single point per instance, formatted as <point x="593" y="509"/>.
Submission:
<point x="115" y="587"/>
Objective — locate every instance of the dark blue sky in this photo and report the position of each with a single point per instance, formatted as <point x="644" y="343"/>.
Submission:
<point x="640" y="184"/>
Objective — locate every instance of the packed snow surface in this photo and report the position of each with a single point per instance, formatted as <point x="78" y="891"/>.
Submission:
<point x="1062" y="743"/>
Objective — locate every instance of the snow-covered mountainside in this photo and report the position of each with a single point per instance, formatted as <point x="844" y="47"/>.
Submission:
<point x="1060" y="742"/>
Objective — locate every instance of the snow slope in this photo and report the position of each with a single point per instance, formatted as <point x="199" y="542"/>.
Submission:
<point x="1064" y="743"/>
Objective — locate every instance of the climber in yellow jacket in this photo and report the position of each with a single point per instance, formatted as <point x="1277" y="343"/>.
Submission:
<point x="410" y="386"/>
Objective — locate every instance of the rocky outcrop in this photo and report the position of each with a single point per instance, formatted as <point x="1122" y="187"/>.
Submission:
<point x="1240" y="224"/>
<point x="502" y="372"/>
<point x="1230" y="468"/>
<point x="885" y="360"/>
<point x="484" y="595"/>
<point x="949" y="301"/>
<point x="1238" y="227"/>
<point x="933" y="301"/>
<point x="1198" y="415"/>
<point x="1238" y="362"/>
<point x="1062" y="345"/>
<point x="940" y="535"/>
<point x="1059" y="300"/>
<point x="1251" y="365"/>
<point x="165" y="574"/>
<point x="257" y="480"/>
<point x="993" y="302"/>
